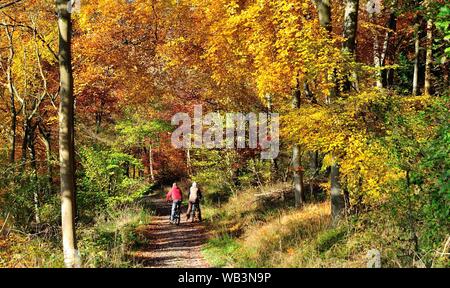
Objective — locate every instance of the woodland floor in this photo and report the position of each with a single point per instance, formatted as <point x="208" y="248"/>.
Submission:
<point x="171" y="246"/>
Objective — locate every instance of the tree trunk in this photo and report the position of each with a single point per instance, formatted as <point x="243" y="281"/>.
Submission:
<point x="314" y="166"/>
<point x="150" y="162"/>
<point x="273" y="162"/>
<point x="377" y="61"/>
<point x="66" y="140"/>
<point x="13" y="133"/>
<point x="25" y="141"/>
<point x="350" y="25"/>
<point x="429" y="57"/>
<point x="387" y="75"/>
<point x="33" y="163"/>
<point x="188" y="161"/>
<point x="416" y="61"/>
<point x="297" y="173"/>
<point x="376" y="52"/>
<point x="337" y="199"/>
<point x="349" y="34"/>
<point x="127" y="169"/>
<point x="349" y="46"/>
<point x="46" y="140"/>
<point x="99" y="117"/>
<point x="98" y="122"/>
<point x="324" y="11"/>
<point x="446" y="72"/>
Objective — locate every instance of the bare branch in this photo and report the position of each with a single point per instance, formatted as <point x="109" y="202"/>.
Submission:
<point x="2" y="6"/>
<point x="12" y="88"/>
<point x="41" y="72"/>
<point x="32" y="30"/>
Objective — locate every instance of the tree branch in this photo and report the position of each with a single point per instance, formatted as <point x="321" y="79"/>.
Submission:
<point x="34" y="31"/>
<point x="2" y="6"/>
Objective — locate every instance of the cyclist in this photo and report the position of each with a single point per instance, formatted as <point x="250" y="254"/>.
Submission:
<point x="176" y="197"/>
<point x="195" y="195"/>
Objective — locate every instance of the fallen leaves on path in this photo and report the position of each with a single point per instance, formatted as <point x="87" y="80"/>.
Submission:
<point x="171" y="246"/>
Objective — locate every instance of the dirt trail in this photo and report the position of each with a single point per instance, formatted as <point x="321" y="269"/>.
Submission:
<point x="172" y="246"/>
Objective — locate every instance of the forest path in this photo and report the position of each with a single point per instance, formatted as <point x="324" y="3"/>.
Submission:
<point x="171" y="246"/>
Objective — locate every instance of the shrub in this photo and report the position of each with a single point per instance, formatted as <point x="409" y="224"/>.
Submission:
<point x="104" y="183"/>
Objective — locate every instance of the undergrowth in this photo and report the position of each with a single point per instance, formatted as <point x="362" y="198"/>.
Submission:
<point x="107" y="243"/>
<point x="253" y="232"/>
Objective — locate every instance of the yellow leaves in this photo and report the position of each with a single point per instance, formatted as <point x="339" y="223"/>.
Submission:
<point x="344" y="130"/>
<point x="270" y="46"/>
<point x="327" y="161"/>
<point x="375" y="28"/>
<point x="271" y="41"/>
<point x="231" y="8"/>
<point x="365" y="169"/>
<point x="52" y="120"/>
<point x="305" y="6"/>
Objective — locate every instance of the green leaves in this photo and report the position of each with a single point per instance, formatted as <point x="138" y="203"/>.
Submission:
<point x="443" y="23"/>
<point x="135" y="131"/>
<point x="104" y="181"/>
<point x="420" y="145"/>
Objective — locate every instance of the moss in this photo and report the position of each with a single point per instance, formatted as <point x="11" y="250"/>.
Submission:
<point x="327" y="239"/>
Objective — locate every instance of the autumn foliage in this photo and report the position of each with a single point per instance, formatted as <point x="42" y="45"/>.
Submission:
<point x="137" y="63"/>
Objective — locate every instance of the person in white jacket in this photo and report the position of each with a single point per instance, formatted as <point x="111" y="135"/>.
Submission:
<point x="195" y="195"/>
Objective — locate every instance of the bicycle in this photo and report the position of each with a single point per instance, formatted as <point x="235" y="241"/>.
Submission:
<point x="177" y="215"/>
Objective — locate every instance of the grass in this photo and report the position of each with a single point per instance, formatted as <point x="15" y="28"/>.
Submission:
<point x="253" y="232"/>
<point x="22" y="251"/>
<point x="109" y="243"/>
<point x="218" y="251"/>
<point x="250" y="232"/>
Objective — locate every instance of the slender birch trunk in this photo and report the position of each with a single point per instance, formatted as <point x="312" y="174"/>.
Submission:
<point x="429" y="58"/>
<point x="376" y="47"/>
<point x="36" y="192"/>
<point x="13" y="110"/>
<point x="66" y="140"/>
<point x="377" y="61"/>
<point x="416" y="61"/>
<point x="297" y="172"/>
<point x="150" y="162"/>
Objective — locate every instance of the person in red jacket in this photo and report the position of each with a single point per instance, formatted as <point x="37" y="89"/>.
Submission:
<point x="176" y="197"/>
